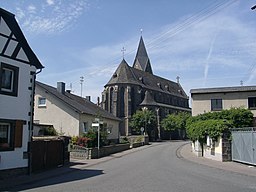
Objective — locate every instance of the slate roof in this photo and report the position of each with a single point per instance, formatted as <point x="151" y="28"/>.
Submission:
<point x="148" y="100"/>
<point x="14" y="27"/>
<point x="223" y="89"/>
<point x="79" y="104"/>
<point x="129" y="75"/>
<point x="141" y="60"/>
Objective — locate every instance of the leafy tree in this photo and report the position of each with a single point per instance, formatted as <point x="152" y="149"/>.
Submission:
<point x="145" y="119"/>
<point x="175" y="121"/>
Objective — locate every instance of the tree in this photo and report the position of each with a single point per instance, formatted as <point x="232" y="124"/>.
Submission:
<point x="175" y="121"/>
<point x="143" y="118"/>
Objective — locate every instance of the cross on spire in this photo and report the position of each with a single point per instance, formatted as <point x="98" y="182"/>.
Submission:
<point x="178" y="79"/>
<point x="123" y="50"/>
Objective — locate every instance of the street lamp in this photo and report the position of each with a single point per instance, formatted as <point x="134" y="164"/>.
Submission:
<point x="253" y="7"/>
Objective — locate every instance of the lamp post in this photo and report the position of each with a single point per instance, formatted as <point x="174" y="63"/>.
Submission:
<point x="97" y="124"/>
<point x="253" y="7"/>
<point x="158" y="124"/>
<point x="145" y="123"/>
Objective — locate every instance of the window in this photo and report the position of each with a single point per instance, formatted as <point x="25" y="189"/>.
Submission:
<point x="85" y="127"/>
<point x="252" y="102"/>
<point x="11" y="134"/>
<point x="41" y="102"/>
<point x="9" y="79"/>
<point x="216" y="104"/>
<point x="6" y="136"/>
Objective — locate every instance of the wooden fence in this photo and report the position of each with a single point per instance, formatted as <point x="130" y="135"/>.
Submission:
<point x="49" y="152"/>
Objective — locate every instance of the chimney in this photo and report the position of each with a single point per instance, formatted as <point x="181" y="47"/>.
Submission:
<point x="98" y="101"/>
<point x="88" y="98"/>
<point x="61" y="87"/>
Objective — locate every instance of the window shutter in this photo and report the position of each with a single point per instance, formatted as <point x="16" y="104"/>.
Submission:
<point x="18" y="133"/>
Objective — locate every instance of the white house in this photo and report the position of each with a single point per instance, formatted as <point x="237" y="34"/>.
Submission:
<point x="216" y="99"/>
<point x="18" y="68"/>
<point x="70" y="114"/>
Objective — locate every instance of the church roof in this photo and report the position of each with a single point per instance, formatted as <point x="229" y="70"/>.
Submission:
<point x="129" y="75"/>
<point x="123" y="74"/>
<point x="14" y="44"/>
<point x="148" y="100"/>
<point x="142" y="61"/>
<point x="77" y="103"/>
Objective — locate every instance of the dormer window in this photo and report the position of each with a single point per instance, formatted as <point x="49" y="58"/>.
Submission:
<point x="141" y="79"/>
<point x="159" y="85"/>
<point x="115" y="75"/>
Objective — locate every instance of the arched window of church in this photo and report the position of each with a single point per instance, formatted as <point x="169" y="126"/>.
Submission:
<point x="122" y="92"/>
<point x="133" y="99"/>
<point x="142" y="95"/>
<point x="106" y="101"/>
<point x="111" y="100"/>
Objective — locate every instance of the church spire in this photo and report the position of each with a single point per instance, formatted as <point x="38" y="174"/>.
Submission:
<point x="142" y="61"/>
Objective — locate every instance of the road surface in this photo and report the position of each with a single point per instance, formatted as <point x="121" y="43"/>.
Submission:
<point x="156" y="168"/>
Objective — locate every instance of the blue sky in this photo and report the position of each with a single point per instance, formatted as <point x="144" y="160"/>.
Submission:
<point x="207" y="43"/>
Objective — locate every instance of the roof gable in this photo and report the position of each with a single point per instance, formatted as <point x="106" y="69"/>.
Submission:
<point x="13" y="43"/>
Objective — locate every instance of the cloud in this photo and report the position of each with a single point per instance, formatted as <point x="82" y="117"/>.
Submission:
<point x="31" y="9"/>
<point x="50" y="2"/>
<point x="52" y="19"/>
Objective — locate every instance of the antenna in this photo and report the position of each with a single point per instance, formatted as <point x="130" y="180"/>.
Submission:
<point x="70" y="86"/>
<point x="81" y="82"/>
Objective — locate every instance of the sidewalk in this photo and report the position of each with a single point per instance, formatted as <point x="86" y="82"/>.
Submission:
<point x="186" y="153"/>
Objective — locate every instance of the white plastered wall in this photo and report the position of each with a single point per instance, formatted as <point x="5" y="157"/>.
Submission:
<point x="17" y="108"/>
<point x="64" y="119"/>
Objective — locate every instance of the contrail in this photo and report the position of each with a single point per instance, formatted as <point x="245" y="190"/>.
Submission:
<point x="206" y="69"/>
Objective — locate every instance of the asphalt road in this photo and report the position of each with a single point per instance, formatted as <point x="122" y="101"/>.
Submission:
<point x="157" y="168"/>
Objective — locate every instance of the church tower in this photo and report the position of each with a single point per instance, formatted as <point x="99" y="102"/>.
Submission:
<point x="142" y="61"/>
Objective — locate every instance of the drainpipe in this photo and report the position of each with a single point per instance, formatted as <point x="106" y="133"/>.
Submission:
<point x="31" y="120"/>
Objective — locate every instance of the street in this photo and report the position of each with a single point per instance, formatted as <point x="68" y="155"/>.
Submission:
<point x="156" y="168"/>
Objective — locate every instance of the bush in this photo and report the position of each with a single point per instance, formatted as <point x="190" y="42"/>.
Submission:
<point x="216" y="123"/>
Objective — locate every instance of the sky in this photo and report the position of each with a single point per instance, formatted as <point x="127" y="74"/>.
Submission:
<point x="207" y="43"/>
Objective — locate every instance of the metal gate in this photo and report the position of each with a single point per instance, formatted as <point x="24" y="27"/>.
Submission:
<point x="244" y="145"/>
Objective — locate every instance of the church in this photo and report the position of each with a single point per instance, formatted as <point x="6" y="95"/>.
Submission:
<point x="133" y="88"/>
